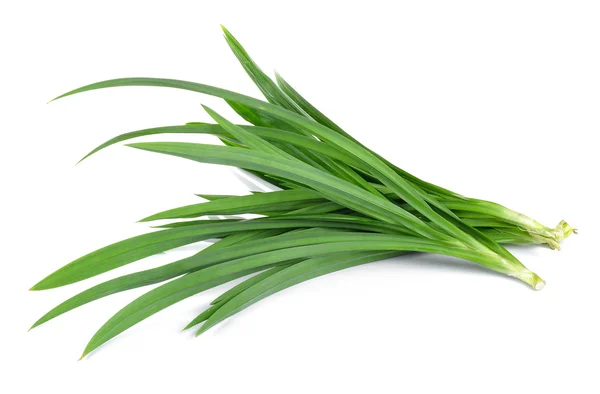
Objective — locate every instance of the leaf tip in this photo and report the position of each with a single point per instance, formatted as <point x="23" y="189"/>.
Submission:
<point x="279" y="79"/>
<point x="199" y="332"/>
<point x="137" y="145"/>
<point x="57" y="97"/>
<point x="39" y="322"/>
<point x="210" y="111"/>
<point x="203" y="329"/>
<point x="84" y="157"/>
<point x="47" y="283"/>
<point x="86" y="351"/>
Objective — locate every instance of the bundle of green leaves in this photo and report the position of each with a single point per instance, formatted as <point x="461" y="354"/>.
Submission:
<point x="338" y="205"/>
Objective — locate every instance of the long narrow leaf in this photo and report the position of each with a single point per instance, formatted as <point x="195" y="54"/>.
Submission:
<point x="260" y="287"/>
<point x="188" y="285"/>
<point x="345" y="193"/>
<point x="241" y="204"/>
<point x="207" y="257"/>
<point x="385" y="174"/>
<point x="231" y="293"/>
<point x="136" y="248"/>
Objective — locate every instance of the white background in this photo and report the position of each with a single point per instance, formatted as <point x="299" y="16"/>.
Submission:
<point x="497" y="100"/>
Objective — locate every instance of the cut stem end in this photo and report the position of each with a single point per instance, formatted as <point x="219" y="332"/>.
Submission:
<point x="531" y="278"/>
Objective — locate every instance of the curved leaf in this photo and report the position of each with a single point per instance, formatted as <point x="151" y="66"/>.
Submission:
<point x="242" y="204"/>
<point x="136" y="248"/>
<point x="336" y="189"/>
<point x="229" y="294"/>
<point x="195" y="282"/>
<point x="264" y="285"/>
<point x="239" y="247"/>
<point x="404" y="189"/>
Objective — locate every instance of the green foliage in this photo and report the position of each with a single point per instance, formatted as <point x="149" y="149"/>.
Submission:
<point x="341" y="205"/>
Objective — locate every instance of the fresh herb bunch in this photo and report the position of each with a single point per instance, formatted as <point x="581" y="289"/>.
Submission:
<point x="339" y="205"/>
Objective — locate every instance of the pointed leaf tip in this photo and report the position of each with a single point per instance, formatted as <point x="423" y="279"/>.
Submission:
<point x="226" y="31"/>
<point x="202" y="330"/>
<point x="146" y="219"/>
<point x="207" y="109"/>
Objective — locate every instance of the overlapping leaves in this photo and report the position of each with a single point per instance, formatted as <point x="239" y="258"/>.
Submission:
<point x="341" y="205"/>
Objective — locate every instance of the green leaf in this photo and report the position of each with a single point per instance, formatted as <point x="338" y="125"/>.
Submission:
<point x="248" y="139"/>
<point x="388" y="176"/>
<point x="272" y="281"/>
<point x="202" y="316"/>
<point x="242" y="204"/>
<point x="195" y="282"/>
<point x="308" y="108"/>
<point x="318" y="208"/>
<point x="213" y="197"/>
<point x="286" y="97"/>
<point x="136" y="248"/>
<point x="229" y="294"/>
<point x="336" y="189"/>
<point x="196" y="128"/>
<point x="149" y="304"/>
<point x="379" y="169"/>
<point x="319" y="117"/>
<point x="269" y="89"/>
<point x="231" y="248"/>
<point x="340" y="221"/>
<point x="306" y="144"/>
